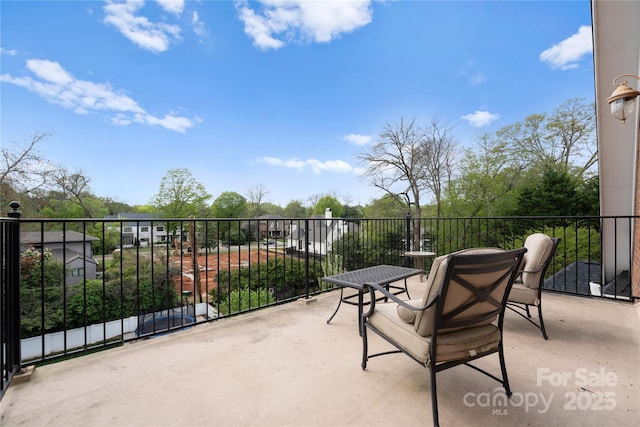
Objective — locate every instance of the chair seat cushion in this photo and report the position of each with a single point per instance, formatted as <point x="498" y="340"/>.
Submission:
<point x="523" y="294"/>
<point x="451" y="346"/>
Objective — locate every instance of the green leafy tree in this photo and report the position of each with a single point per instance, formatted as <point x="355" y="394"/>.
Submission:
<point x="41" y="286"/>
<point x="272" y="209"/>
<point x="234" y="235"/>
<point x="115" y="207"/>
<point x="387" y="206"/>
<point x="295" y="209"/>
<point x="284" y="277"/>
<point x="553" y="194"/>
<point x="244" y="300"/>
<point x="180" y="195"/>
<point x="229" y="204"/>
<point x="370" y="246"/>
<point x="486" y="183"/>
<point x="589" y="195"/>
<point x="352" y="211"/>
<point x="328" y="202"/>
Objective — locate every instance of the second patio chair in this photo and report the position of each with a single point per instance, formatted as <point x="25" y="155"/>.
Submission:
<point x="459" y="318"/>
<point x="527" y="289"/>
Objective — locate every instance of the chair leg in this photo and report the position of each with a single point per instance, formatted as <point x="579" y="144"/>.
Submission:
<point x="544" y="332"/>
<point x="365" y="348"/>
<point x="434" y="396"/>
<point x="503" y="368"/>
<point x="526" y="306"/>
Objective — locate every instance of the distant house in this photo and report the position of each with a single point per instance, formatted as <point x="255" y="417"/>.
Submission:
<point x="322" y="232"/>
<point x="265" y="227"/>
<point x="140" y="229"/>
<point x="71" y="248"/>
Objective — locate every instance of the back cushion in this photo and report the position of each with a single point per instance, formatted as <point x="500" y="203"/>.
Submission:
<point x="539" y="248"/>
<point x="425" y="319"/>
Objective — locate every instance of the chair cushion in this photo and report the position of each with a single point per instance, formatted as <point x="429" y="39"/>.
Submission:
<point x="425" y="319"/>
<point x="407" y="315"/>
<point x="385" y="318"/>
<point x="539" y="248"/>
<point x="523" y="295"/>
<point x="467" y="342"/>
<point x="451" y="346"/>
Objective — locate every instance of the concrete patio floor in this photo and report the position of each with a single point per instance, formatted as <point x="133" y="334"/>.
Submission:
<point x="284" y="366"/>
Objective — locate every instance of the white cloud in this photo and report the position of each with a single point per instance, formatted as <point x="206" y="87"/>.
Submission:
<point x="566" y="54"/>
<point x="153" y="36"/>
<point x="316" y="166"/>
<point x="280" y="22"/>
<point x="477" y="79"/>
<point x="291" y="163"/>
<point x="481" y="118"/>
<point x="172" y="6"/>
<point x="337" y="166"/>
<point x="356" y="139"/>
<point x="11" y="52"/>
<point x="58" y="86"/>
<point x="198" y="25"/>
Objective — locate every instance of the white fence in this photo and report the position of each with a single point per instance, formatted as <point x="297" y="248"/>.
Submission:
<point x="75" y="338"/>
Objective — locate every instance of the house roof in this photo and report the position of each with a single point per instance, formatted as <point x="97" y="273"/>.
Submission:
<point x="575" y="277"/>
<point x="71" y="255"/>
<point x="319" y="229"/>
<point x="136" y="218"/>
<point x="36" y="237"/>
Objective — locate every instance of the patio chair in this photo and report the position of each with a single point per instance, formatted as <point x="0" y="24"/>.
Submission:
<point x="527" y="288"/>
<point x="458" y="319"/>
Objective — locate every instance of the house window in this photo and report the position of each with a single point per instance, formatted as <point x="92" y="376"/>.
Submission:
<point x="144" y="229"/>
<point x="160" y="228"/>
<point x="77" y="271"/>
<point x="127" y="230"/>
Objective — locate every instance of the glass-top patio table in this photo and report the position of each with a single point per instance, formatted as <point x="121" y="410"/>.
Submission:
<point x="381" y="275"/>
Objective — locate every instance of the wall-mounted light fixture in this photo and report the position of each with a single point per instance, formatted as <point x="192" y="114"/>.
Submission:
<point x="623" y="99"/>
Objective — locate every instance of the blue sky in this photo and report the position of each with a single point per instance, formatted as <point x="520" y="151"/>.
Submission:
<point x="282" y="94"/>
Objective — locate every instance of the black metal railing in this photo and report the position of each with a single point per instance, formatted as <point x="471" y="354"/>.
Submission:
<point x="10" y="297"/>
<point x="71" y="286"/>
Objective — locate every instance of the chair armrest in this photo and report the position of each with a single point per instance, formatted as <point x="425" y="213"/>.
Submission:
<point x="373" y="288"/>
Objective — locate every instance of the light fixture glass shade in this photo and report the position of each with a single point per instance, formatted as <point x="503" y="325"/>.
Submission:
<point x="622" y="108"/>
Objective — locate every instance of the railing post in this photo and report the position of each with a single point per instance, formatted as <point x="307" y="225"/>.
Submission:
<point x="13" y="288"/>
<point x="306" y="257"/>
<point x="407" y="237"/>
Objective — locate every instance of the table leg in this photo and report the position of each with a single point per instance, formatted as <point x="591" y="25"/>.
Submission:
<point x="360" y="309"/>
<point x="337" y="308"/>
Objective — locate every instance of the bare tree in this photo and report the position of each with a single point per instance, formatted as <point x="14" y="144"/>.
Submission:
<point x="438" y="156"/>
<point x="255" y="196"/>
<point x="563" y="140"/>
<point x="23" y="169"/>
<point x="571" y="129"/>
<point x="394" y="163"/>
<point x="408" y="160"/>
<point x="74" y="187"/>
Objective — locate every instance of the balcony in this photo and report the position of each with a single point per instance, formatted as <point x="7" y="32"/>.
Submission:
<point x="284" y="365"/>
<point x="179" y="350"/>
